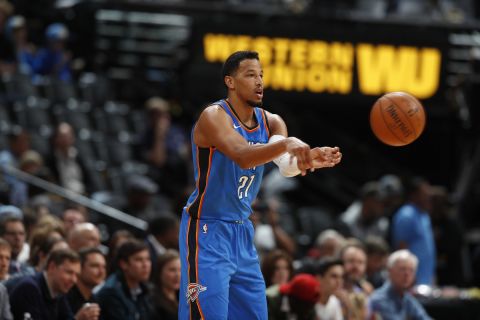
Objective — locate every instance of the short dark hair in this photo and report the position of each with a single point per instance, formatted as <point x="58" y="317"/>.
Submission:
<point x="413" y="184"/>
<point x="129" y="248"/>
<point x="376" y="246"/>
<point x="59" y="256"/>
<point x="233" y="61"/>
<point x="325" y="264"/>
<point x="161" y="225"/>
<point x="85" y="252"/>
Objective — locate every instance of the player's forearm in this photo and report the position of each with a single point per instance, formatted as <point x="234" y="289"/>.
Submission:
<point x="250" y="156"/>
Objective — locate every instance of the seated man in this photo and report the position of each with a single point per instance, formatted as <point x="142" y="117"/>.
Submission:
<point x="42" y="296"/>
<point x="357" y="289"/>
<point x="393" y="301"/>
<point x="124" y="295"/>
<point x="94" y="269"/>
<point x="12" y="229"/>
<point x="330" y="273"/>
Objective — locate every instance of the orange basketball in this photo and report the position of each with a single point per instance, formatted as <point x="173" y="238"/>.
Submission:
<point x="397" y="118"/>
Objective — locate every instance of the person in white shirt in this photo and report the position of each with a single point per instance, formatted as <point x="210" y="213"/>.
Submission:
<point x="330" y="273"/>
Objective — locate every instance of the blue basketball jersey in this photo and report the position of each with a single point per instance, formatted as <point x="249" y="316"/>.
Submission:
<point x="223" y="190"/>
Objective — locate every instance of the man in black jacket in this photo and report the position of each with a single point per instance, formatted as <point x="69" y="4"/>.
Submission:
<point x="42" y="295"/>
<point x="124" y="295"/>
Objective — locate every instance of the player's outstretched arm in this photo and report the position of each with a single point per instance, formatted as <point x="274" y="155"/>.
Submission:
<point x="215" y="129"/>
<point x="322" y="156"/>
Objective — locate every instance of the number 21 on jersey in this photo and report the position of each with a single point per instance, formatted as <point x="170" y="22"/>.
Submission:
<point x="244" y="184"/>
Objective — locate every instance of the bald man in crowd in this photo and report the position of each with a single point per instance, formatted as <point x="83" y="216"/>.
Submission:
<point x="84" y="235"/>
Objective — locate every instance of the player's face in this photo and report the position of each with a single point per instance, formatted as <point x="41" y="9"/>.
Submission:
<point x="248" y="82"/>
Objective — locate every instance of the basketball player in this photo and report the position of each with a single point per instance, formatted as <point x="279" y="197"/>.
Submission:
<point x="231" y="141"/>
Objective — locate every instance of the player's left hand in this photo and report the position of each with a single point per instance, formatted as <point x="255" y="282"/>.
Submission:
<point x="325" y="157"/>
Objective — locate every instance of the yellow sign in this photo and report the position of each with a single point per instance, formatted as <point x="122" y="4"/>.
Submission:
<point x="320" y="66"/>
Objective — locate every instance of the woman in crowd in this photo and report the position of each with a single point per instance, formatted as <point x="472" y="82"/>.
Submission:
<point x="167" y="284"/>
<point x="277" y="268"/>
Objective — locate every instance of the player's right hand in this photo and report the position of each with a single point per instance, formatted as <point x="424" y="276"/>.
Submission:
<point x="325" y="157"/>
<point x="299" y="149"/>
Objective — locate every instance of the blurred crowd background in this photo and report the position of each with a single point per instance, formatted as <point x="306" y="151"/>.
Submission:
<point x="97" y="100"/>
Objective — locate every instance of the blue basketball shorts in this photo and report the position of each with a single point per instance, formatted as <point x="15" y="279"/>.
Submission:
<point x="221" y="276"/>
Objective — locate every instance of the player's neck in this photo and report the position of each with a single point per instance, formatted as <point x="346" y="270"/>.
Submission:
<point x="243" y="110"/>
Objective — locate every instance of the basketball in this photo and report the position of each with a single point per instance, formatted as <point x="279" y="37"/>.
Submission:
<point x="397" y="118"/>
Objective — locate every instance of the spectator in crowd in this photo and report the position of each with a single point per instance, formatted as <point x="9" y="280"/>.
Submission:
<point x="5" y="256"/>
<point x="392" y="191"/>
<point x="24" y="50"/>
<point x="73" y="215"/>
<point x="51" y="224"/>
<point x="295" y="299"/>
<point x="393" y="301"/>
<point x="412" y="229"/>
<point x="42" y="295"/>
<point x="118" y="238"/>
<point x="19" y="143"/>
<point x="449" y="241"/>
<point x="393" y="194"/>
<point x="54" y="60"/>
<point x="269" y="233"/>
<point x="65" y="162"/>
<point x="167" y="284"/>
<point x="277" y="268"/>
<point x="84" y="235"/>
<point x="143" y="200"/>
<point x="330" y="274"/>
<point x="124" y="295"/>
<point x="163" y="235"/>
<point x="92" y="274"/>
<point x="165" y="147"/>
<point x="7" y="52"/>
<point x="38" y="259"/>
<point x="354" y="260"/>
<point x="364" y="216"/>
<point x="13" y="230"/>
<point x="5" y="312"/>
<point x="42" y="244"/>
<point x="31" y="162"/>
<point x="328" y="244"/>
<point x="377" y="253"/>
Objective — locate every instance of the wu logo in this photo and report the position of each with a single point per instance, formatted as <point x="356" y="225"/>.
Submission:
<point x="194" y="290"/>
